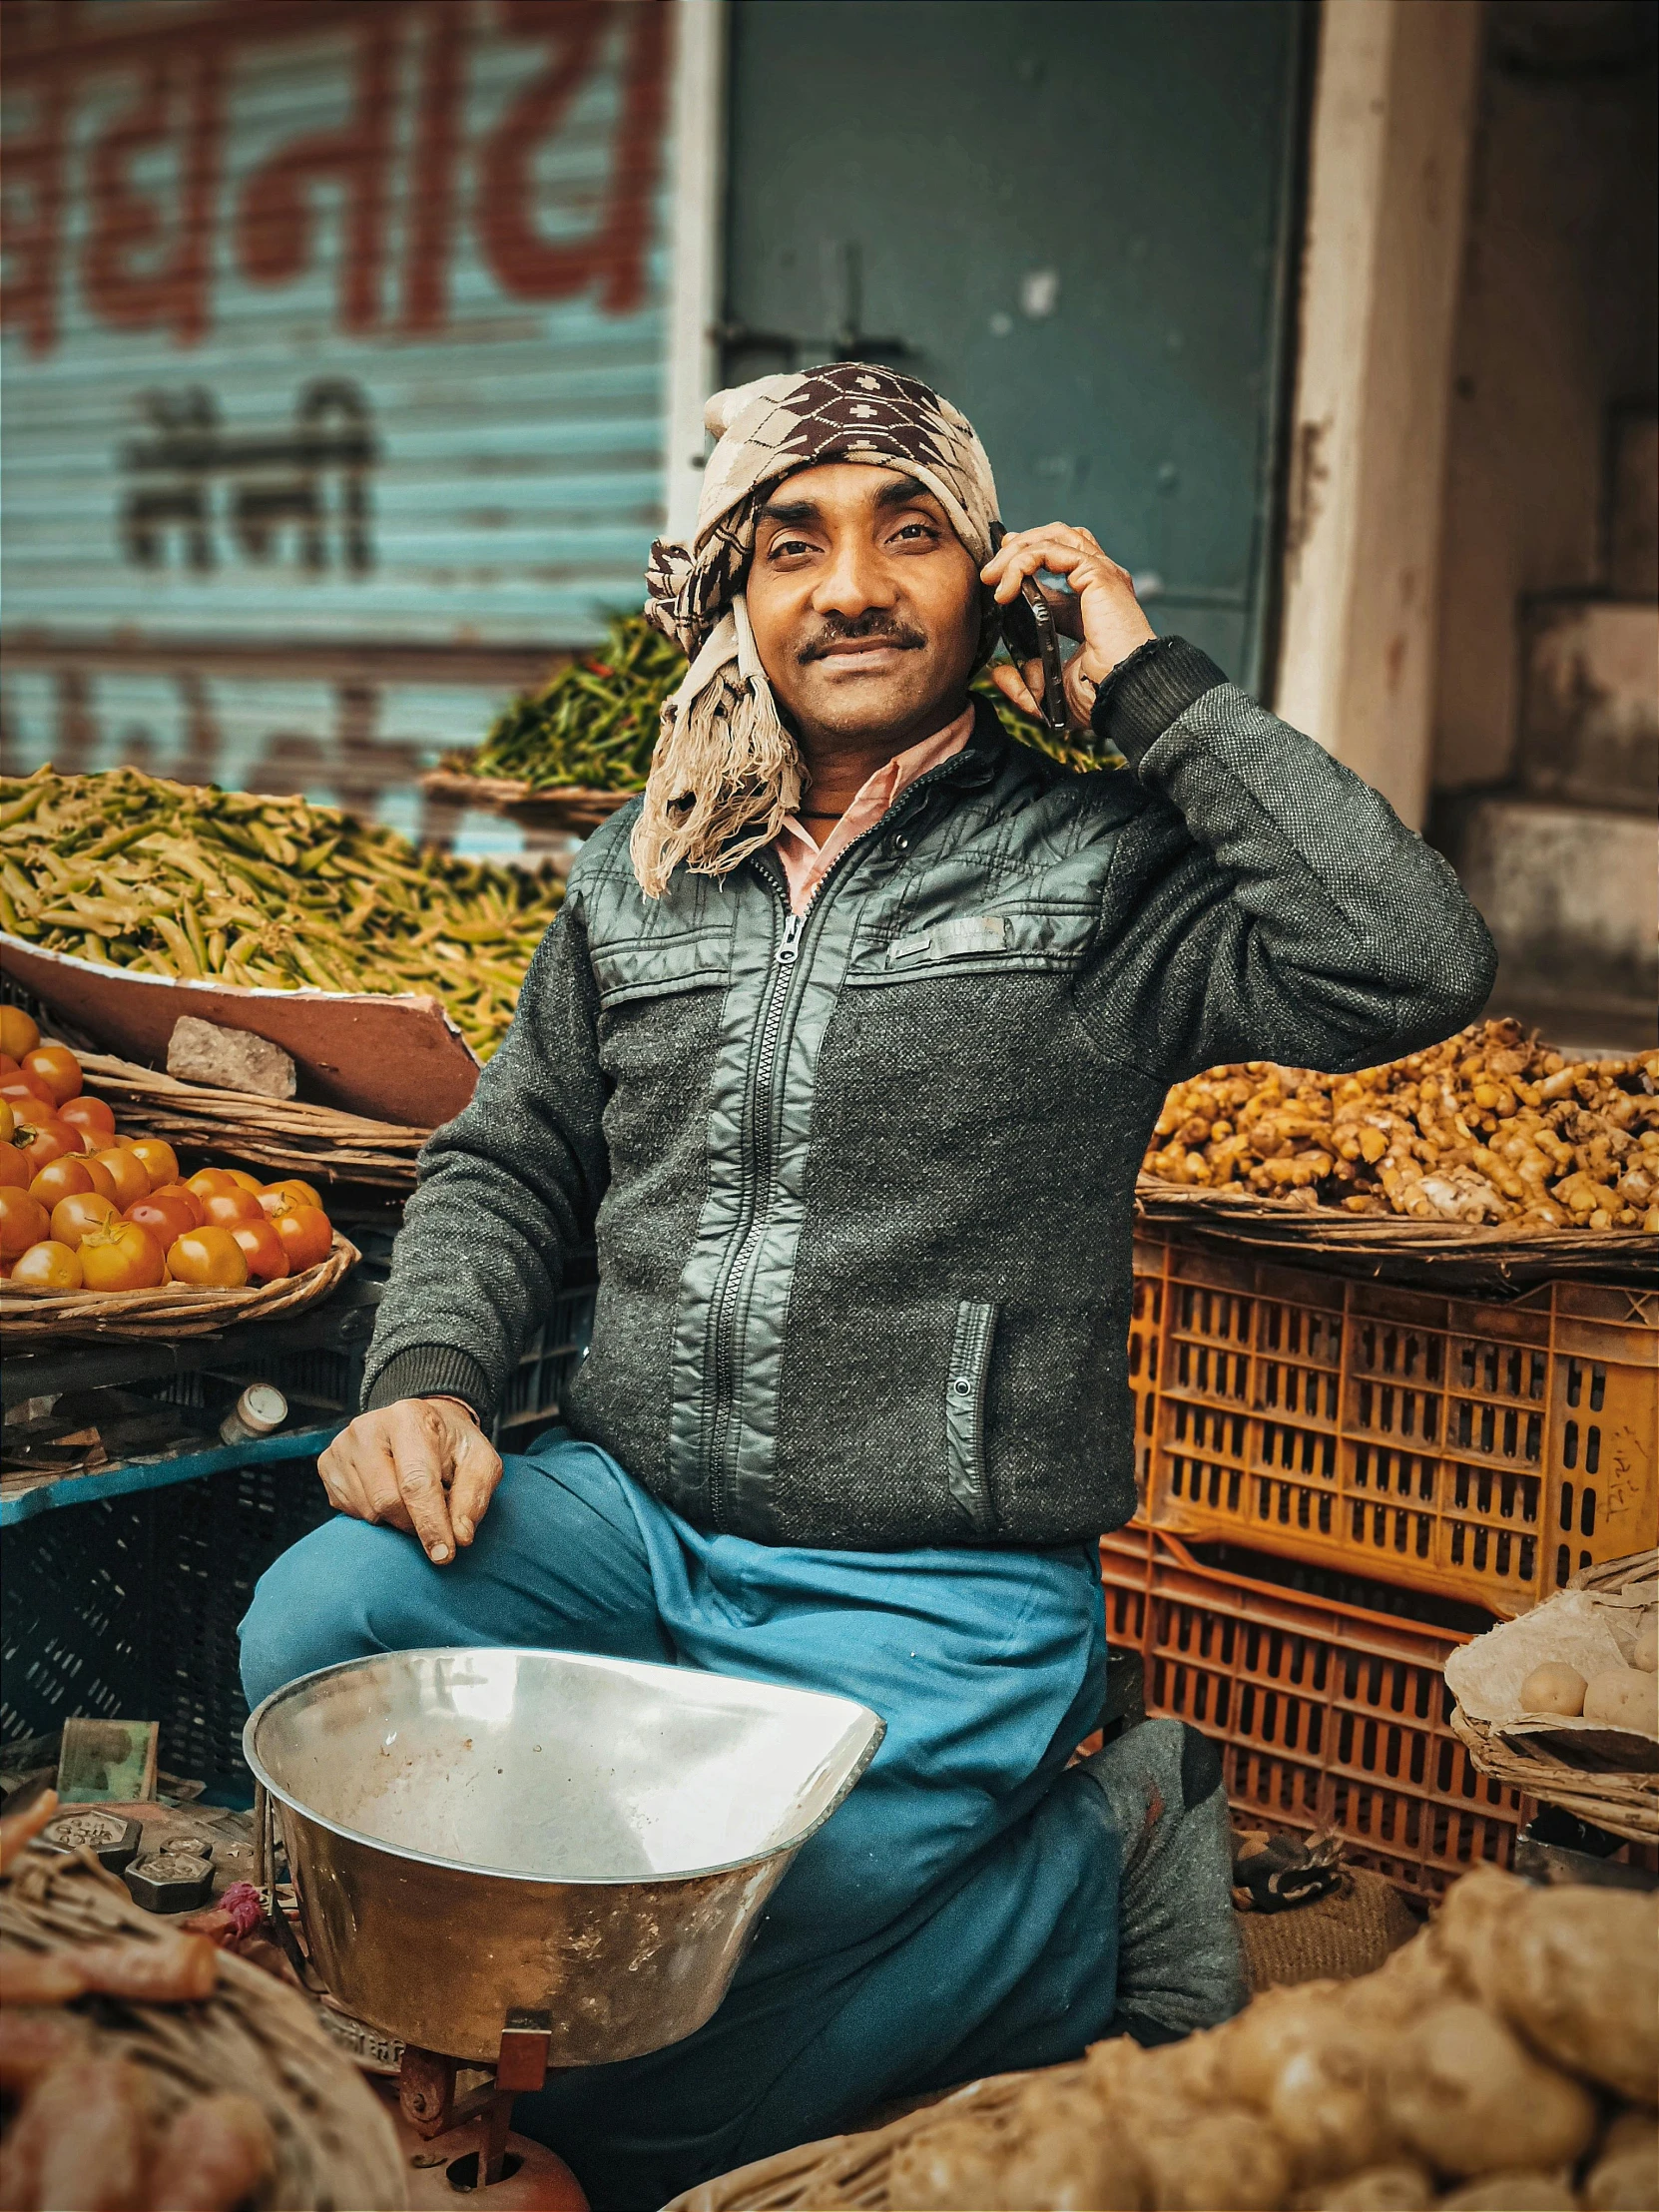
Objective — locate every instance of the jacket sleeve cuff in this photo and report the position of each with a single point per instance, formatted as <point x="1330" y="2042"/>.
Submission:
<point x="431" y="1370"/>
<point x="1147" y="692"/>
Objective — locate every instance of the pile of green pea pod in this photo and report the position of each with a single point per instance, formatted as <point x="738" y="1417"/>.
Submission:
<point x="190" y="882"/>
<point x="592" y="727"/>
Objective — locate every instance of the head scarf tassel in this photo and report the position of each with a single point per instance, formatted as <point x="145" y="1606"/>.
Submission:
<point x="723" y="764"/>
<point x="726" y="772"/>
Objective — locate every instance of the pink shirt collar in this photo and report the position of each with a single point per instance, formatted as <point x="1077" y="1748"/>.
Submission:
<point x="806" y="863"/>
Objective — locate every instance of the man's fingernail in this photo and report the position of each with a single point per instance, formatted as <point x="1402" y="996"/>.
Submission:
<point x="463" y="1531"/>
<point x="440" y="1552"/>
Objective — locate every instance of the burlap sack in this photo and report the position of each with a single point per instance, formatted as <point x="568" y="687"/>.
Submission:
<point x="1336" y="1938"/>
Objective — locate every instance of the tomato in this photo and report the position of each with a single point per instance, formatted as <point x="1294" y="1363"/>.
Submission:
<point x="306" y="1236"/>
<point x="8" y="1121"/>
<point x="57" y="1067"/>
<point x="42" y="1142"/>
<point x="208" y="1256"/>
<point x="18" y="1034"/>
<point x="92" y="1115"/>
<point x="124" y="1172"/>
<point x="263" y="1249"/>
<point x="121" y="1256"/>
<point x="22" y="1087"/>
<point x="226" y="1207"/>
<point x="15" y="1171"/>
<point x="48" y="1266"/>
<point x="8" y="1066"/>
<point x="78" y="1215"/>
<point x="187" y="1198"/>
<point x="66" y="1177"/>
<point x="160" y="1161"/>
<point x="243" y="1181"/>
<point x="290" y="1191"/>
<point x="166" y="1214"/>
<point x="211" y="1179"/>
<point x="23" y="1222"/>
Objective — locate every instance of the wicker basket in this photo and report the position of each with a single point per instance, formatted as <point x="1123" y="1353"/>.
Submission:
<point x="576" y="808"/>
<point x="334" y="2143"/>
<point x="847" y="2170"/>
<point x="284" y="1134"/>
<point x="1453" y="1252"/>
<point x="1623" y="1802"/>
<point x="170" y="1310"/>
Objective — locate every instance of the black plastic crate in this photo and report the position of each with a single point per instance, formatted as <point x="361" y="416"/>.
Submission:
<point x="535" y="1396"/>
<point x="129" y="1607"/>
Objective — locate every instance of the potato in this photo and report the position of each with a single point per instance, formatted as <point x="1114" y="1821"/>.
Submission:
<point x="1553" y="1688"/>
<point x="1327" y="2104"/>
<point x="954" y="2167"/>
<point x="1645" y="1651"/>
<point x="1513" y="2189"/>
<point x="1625" y="2174"/>
<point x="1623" y="1696"/>
<point x="1422" y="1974"/>
<point x="1466" y="2094"/>
<point x="1578" y="1976"/>
<point x="1472" y="1924"/>
<point x="1226" y="2157"/>
<point x="1255" y="2045"/>
<point x="1399" y="2188"/>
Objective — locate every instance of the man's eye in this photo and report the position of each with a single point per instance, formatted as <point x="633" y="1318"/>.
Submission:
<point x="789" y="545"/>
<point x="913" y="530"/>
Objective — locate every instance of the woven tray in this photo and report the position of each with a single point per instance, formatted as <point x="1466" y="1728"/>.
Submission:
<point x="286" y="1134"/>
<point x="1624" y="1804"/>
<point x="845" y="2170"/>
<point x="170" y="1310"/>
<point x="576" y="808"/>
<point x="335" y="2144"/>
<point x="1382" y="1243"/>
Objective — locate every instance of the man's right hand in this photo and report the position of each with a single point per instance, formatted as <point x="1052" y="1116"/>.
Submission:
<point x="422" y="1465"/>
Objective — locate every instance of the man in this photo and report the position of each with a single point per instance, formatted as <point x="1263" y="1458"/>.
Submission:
<point x="845" y="1047"/>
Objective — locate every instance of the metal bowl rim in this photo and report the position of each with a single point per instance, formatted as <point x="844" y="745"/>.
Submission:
<point x="552" y="1881"/>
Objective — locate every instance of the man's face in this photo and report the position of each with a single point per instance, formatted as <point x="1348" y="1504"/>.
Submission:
<point x="865" y="605"/>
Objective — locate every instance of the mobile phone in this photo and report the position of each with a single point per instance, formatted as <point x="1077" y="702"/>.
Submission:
<point x="1029" y="631"/>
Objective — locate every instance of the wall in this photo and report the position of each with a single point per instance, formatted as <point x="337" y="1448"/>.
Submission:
<point x="333" y="373"/>
<point x="1393" y="113"/>
<point x="1557" y="323"/>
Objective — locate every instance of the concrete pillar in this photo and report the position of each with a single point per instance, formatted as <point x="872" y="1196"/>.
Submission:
<point x="1393" y="123"/>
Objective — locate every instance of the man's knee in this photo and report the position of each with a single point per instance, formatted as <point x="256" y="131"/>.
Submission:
<point x="311" y="1607"/>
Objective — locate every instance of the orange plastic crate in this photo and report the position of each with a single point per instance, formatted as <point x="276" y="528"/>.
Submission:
<point x="1328" y="1716"/>
<point x="1478" y="1450"/>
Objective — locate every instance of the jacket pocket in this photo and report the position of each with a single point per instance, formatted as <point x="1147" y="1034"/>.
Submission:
<point x="964" y="1412"/>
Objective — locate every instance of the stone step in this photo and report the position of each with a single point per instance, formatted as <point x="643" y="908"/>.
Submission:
<point x="1589" y="729"/>
<point x="1633" y="505"/>
<point x="1571" y="898"/>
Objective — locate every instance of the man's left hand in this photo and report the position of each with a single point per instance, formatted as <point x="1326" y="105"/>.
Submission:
<point x="1099" y="608"/>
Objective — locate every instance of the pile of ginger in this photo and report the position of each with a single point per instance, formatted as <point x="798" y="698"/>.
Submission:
<point x="1505" y="2060"/>
<point x="1489" y="1127"/>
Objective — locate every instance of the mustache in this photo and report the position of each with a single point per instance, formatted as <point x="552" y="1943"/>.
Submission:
<point x="837" y="630"/>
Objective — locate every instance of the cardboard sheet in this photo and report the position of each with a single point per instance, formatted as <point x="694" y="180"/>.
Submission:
<point x="393" y="1059"/>
<point x="1585" y="1630"/>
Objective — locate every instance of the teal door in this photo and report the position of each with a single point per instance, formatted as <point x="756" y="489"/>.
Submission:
<point x="1075" y="218"/>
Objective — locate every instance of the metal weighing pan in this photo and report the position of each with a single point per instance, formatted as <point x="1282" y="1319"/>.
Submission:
<point x="474" y="1832"/>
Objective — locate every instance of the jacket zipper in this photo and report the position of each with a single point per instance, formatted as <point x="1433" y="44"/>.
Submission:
<point x="726" y="1308"/>
<point x="758" y="1190"/>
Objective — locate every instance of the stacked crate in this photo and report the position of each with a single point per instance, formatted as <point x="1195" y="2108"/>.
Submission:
<point x="1342" y="1480"/>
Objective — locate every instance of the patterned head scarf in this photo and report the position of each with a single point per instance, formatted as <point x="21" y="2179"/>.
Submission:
<point x="726" y="772"/>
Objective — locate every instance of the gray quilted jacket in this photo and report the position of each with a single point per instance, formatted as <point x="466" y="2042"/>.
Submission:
<point x="862" y="1185"/>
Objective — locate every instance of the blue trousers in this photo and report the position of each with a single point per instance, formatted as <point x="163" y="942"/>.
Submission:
<point x="956" y="1916"/>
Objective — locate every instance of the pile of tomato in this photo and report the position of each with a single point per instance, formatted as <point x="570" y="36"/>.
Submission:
<point x="83" y="1207"/>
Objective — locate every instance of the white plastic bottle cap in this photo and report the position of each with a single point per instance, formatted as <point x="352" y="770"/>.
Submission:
<point x="260" y="1409"/>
